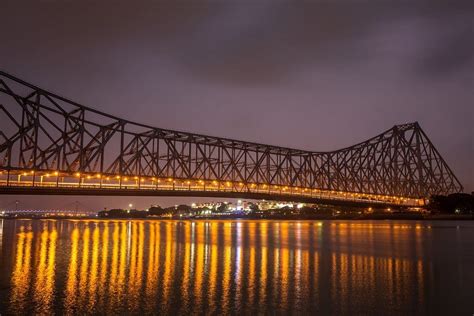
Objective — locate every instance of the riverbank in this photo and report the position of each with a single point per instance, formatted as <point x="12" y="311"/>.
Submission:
<point x="355" y="217"/>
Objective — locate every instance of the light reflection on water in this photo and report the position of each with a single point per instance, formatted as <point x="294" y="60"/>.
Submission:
<point x="235" y="266"/>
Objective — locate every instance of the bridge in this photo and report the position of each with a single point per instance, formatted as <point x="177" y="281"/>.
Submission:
<point x="52" y="145"/>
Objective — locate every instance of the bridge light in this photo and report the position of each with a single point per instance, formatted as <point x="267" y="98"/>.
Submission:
<point x="24" y="173"/>
<point x="188" y="182"/>
<point x="88" y="177"/>
<point x="98" y="176"/>
<point x="56" y="173"/>
<point x="136" y="178"/>
<point x="170" y="179"/>
<point x="125" y="179"/>
<point x="118" y="177"/>
<point x="214" y="182"/>
<point x="46" y="175"/>
<point x="78" y="174"/>
<point x="227" y="183"/>
<point x="32" y="172"/>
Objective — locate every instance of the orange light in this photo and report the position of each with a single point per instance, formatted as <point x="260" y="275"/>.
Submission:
<point x="56" y="173"/>
<point x="78" y="174"/>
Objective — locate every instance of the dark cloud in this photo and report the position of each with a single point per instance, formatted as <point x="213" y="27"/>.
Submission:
<point x="265" y="40"/>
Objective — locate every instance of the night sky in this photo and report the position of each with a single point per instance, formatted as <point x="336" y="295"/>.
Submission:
<point x="315" y="75"/>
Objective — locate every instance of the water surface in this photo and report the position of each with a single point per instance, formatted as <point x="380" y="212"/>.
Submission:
<point x="222" y="267"/>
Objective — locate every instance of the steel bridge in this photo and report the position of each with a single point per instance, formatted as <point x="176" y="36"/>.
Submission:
<point x="52" y="145"/>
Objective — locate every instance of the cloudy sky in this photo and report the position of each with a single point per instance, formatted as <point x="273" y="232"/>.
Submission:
<point x="316" y="75"/>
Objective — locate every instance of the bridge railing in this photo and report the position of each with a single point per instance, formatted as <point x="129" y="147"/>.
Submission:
<point x="53" y="181"/>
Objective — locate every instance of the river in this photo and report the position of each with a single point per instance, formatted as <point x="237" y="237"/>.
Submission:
<point x="233" y="267"/>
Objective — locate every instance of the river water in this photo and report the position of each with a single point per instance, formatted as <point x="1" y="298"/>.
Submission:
<point x="233" y="267"/>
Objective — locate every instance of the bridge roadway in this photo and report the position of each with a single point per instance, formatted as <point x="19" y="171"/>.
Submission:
<point x="28" y="183"/>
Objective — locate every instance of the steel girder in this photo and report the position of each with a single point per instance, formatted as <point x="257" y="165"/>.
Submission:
<point x="45" y="132"/>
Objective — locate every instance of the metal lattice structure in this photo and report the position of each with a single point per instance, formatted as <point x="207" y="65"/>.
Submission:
<point x="44" y="133"/>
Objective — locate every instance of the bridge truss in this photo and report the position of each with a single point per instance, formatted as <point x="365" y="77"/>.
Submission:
<point x="51" y="144"/>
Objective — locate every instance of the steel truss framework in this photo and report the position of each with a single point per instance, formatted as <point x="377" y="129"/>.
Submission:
<point x="43" y="132"/>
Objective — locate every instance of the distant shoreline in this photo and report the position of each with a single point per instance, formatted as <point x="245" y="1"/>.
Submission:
<point x="414" y="217"/>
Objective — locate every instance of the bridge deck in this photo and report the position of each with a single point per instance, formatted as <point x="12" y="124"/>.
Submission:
<point x="40" y="183"/>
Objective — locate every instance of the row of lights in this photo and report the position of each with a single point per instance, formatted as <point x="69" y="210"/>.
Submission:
<point x="229" y="184"/>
